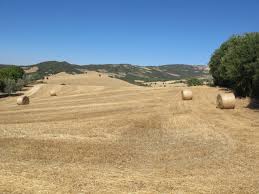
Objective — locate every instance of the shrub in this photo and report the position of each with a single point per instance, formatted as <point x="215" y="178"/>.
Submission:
<point x="20" y="84"/>
<point x="10" y="86"/>
<point x="32" y="77"/>
<point x="194" y="82"/>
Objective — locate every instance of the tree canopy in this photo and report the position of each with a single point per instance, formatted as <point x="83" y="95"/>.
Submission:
<point x="12" y="72"/>
<point x="9" y="77"/>
<point x="236" y="64"/>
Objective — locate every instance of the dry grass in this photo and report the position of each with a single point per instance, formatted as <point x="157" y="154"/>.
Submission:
<point x="102" y="135"/>
<point x="31" y="69"/>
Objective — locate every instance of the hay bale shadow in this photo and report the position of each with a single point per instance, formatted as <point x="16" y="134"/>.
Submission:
<point x="254" y="104"/>
<point x="26" y="88"/>
<point x="226" y="90"/>
<point x="4" y="95"/>
<point x="16" y="94"/>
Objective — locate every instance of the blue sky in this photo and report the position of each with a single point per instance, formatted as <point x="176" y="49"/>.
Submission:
<point x="142" y="32"/>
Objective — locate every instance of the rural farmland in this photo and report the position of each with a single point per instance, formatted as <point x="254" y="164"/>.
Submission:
<point x="104" y="135"/>
<point x="129" y="97"/>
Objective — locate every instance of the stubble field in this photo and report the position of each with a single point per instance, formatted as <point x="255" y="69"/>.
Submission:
<point x="103" y="135"/>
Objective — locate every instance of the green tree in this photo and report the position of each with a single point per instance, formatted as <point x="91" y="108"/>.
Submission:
<point x="255" y="89"/>
<point x="11" y="79"/>
<point x="10" y="86"/>
<point x="20" y="84"/>
<point x="2" y="85"/>
<point x="235" y="64"/>
<point x="216" y="69"/>
<point x="11" y="72"/>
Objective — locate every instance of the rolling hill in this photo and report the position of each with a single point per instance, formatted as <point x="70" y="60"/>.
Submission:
<point x="127" y="72"/>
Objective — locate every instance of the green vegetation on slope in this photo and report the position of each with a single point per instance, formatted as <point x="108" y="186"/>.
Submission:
<point x="54" y="67"/>
<point x="131" y="73"/>
<point x="126" y="72"/>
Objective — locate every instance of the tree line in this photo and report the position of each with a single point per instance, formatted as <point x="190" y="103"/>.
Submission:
<point x="235" y="65"/>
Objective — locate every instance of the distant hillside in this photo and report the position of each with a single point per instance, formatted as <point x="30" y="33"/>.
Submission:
<point x="54" y="67"/>
<point x="127" y="72"/>
<point x="131" y="73"/>
<point x="3" y="65"/>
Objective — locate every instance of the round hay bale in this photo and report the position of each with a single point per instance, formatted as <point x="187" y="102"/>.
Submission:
<point x="186" y="94"/>
<point x="226" y="101"/>
<point x="52" y="93"/>
<point x="23" y="100"/>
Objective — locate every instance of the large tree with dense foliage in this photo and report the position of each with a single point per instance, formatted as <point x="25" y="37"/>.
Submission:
<point x="12" y="72"/>
<point x="256" y="83"/>
<point x="236" y="64"/>
<point x="9" y="76"/>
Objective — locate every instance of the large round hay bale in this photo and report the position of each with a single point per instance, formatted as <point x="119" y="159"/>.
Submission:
<point x="23" y="100"/>
<point x="186" y="94"/>
<point x="226" y="101"/>
<point x="52" y="93"/>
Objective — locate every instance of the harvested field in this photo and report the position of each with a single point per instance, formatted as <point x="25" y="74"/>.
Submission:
<point x="103" y="135"/>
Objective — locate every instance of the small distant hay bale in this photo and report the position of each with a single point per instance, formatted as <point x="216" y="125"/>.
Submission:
<point x="52" y="93"/>
<point x="226" y="101"/>
<point x="23" y="100"/>
<point x="186" y="94"/>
